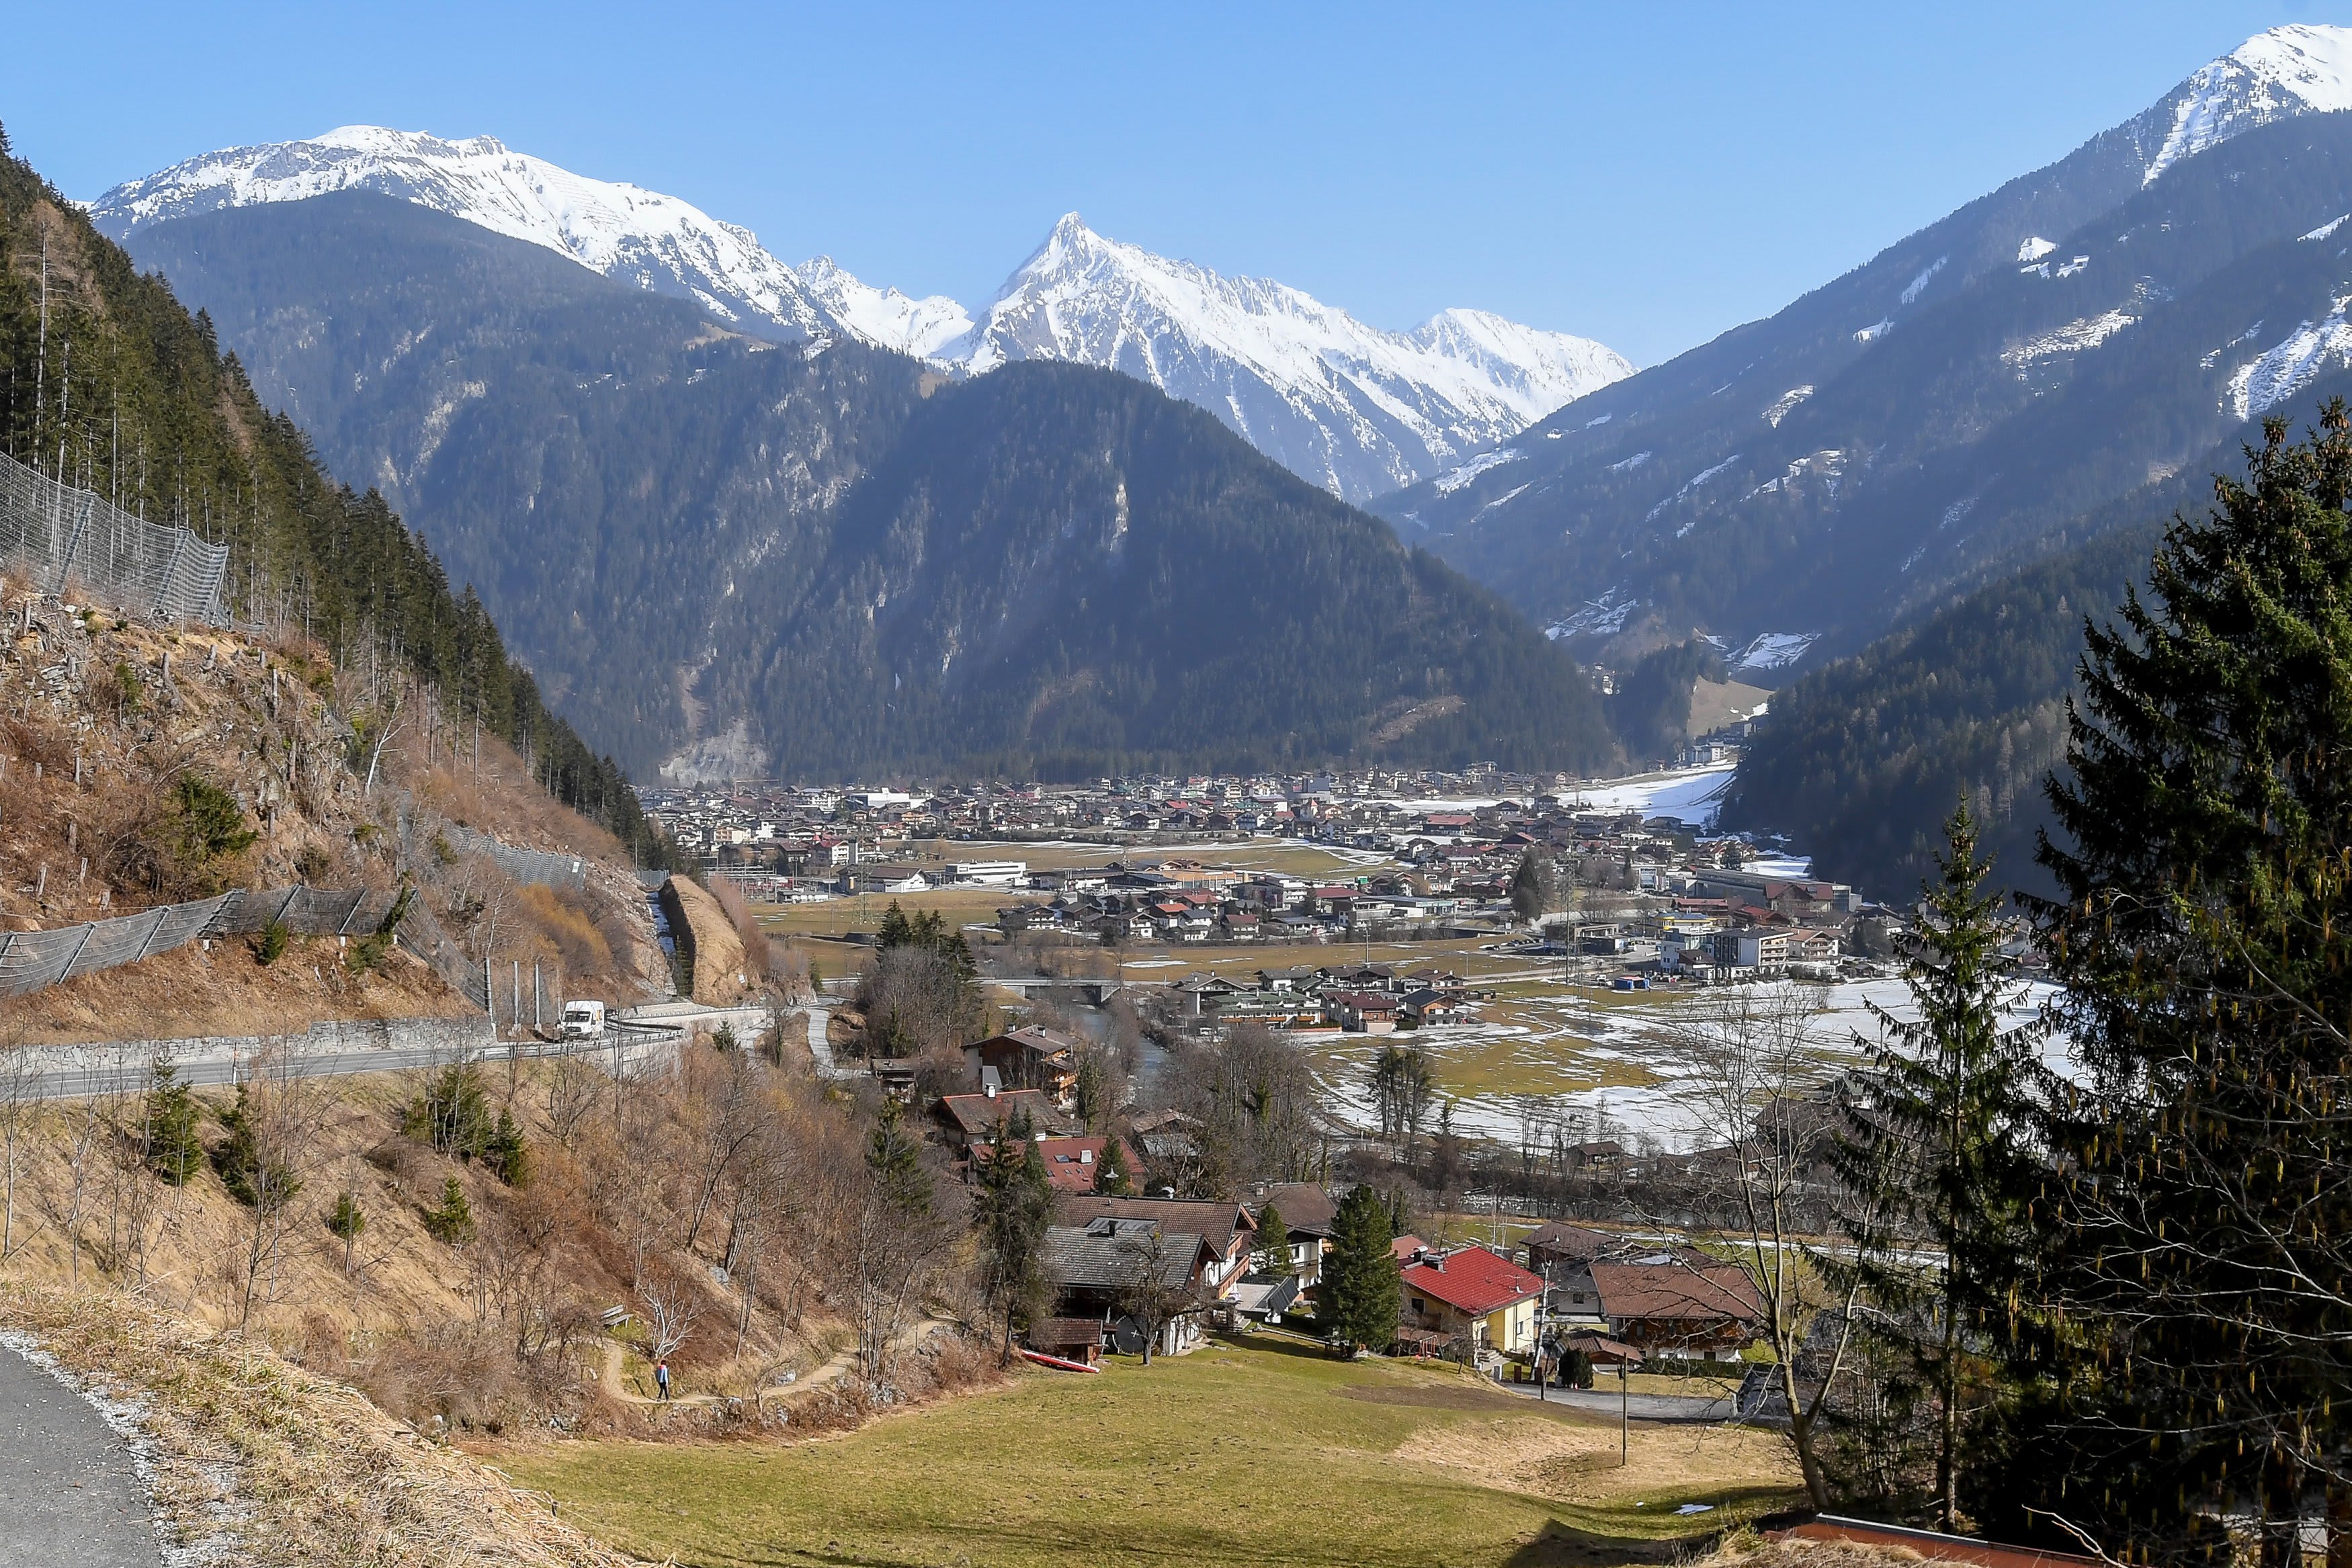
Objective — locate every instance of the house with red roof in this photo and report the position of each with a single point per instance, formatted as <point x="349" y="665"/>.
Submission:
<point x="1072" y="1164"/>
<point x="1473" y="1294"/>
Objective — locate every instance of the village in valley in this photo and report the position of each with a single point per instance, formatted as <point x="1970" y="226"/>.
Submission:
<point x="1516" y="949"/>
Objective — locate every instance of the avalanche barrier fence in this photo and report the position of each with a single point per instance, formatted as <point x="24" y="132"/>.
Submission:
<point x="56" y="537"/>
<point x="31" y="960"/>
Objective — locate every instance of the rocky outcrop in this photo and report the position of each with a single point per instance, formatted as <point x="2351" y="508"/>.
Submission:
<point x="711" y="954"/>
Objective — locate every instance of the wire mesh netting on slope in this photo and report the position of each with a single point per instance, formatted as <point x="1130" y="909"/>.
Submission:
<point x="30" y="960"/>
<point x="58" y="537"/>
<point x="519" y="864"/>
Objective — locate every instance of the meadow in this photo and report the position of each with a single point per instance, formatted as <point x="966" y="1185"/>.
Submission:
<point x="1263" y="1450"/>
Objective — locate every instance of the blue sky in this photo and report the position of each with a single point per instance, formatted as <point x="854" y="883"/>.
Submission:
<point x="1647" y="174"/>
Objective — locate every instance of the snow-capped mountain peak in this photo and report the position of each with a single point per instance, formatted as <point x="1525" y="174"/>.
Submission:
<point x="2295" y="69"/>
<point x="654" y="241"/>
<point x="1355" y="407"/>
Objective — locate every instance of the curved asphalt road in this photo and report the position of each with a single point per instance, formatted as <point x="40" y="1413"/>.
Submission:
<point x="69" y="1493"/>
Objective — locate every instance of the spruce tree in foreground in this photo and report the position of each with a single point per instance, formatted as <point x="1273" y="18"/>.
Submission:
<point x="1358" y="1300"/>
<point x="2204" y="938"/>
<point x="1946" y="1131"/>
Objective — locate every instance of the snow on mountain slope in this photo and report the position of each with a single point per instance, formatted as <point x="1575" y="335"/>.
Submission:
<point x="2295" y="69"/>
<point x="1353" y="408"/>
<point x="882" y="316"/>
<point x="639" y="237"/>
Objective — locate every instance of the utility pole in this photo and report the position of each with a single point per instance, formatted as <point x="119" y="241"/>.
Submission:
<point x="1543" y="1312"/>
<point x="1625" y="1406"/>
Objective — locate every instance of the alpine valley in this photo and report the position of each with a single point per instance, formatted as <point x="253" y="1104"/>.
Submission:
<point x="742" y="515"/>
<point x="858" y="560"/>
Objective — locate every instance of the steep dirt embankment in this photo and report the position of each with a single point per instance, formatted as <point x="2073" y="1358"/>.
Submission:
<point x="708" y="942"/>
<point x="144" y="765"/>
<point x="252" y="1459"/>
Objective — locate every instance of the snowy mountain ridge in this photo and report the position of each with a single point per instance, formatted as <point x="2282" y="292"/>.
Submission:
<point x="1351" y="407"/>
<point x="2294" y="69"/>
<point x="1357" y="409"/>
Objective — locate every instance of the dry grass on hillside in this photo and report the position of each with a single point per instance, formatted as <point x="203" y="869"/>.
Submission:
<point x="635" y="1195"/>
<point x="104" y="725"/>
<point x="257" y="1460"/>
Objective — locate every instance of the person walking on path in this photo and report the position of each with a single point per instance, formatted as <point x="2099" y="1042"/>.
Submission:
<point x="661" y="1381"/>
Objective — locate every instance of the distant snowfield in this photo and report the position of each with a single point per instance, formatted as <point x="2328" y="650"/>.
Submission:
<point x="1593" y="1038"/>
<point x="1691" y="794"/>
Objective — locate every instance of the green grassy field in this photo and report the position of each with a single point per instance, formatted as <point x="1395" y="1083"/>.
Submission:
<point x="1265" y="1453"/>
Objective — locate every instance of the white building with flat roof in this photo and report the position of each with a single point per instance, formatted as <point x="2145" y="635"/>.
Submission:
<point x="990" y="873"/>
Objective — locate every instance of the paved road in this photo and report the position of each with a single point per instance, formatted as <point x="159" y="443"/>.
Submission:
<point x="1603" y="1400"/>
<point x="67" y="1491"/>
<point x="125" y="1073"/>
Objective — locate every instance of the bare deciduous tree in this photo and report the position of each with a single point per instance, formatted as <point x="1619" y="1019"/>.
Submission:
<point x="574" y="1089"/>
<point x="1754" y="1081"/>
<point x="274" y="1143"/>
<point x="1153" y="1295"/>
<point x="20" y="1104"/>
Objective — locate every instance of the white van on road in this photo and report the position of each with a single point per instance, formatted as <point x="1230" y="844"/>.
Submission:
<point x="582" y="1021"/>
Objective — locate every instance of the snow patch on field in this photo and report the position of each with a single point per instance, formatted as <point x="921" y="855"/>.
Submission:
<point x="1599" y="617"/>
<point x="1693" y="482"/>
<point x="1828" y="464"/>
<point x="2214" y="357"/>
<point x="1916" y="286"/>
<point x="1773" y="650"/>
<point x="1505" y="499"/>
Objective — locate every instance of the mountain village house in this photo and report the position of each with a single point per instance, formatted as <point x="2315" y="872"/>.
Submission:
<point x="1473" y="1297"/>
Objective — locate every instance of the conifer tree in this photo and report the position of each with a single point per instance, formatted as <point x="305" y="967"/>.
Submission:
<point x="1274" y="1240"/>
<point x="1527" y="896"/>
<point x="506" y="1152"/>
<point x="1361" y="1292"/>
<point x="2201" y="934"/>
<point x="452" y="1222"/>
<point x="896" y="1161"/>
<point x="1012" y="1205"/>
<point x="1947" y="1129"/>
<point x="173" y="1149"/>
<point x="1112" y="1178"/>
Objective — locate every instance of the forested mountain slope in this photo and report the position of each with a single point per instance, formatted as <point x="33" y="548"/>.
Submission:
<point x="1863" y="758"/>
<point x="745" y="556"/>
<point x="1949" y="410"/>
<point x="110" y="378"/>
<point x="1060" y="569"/>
